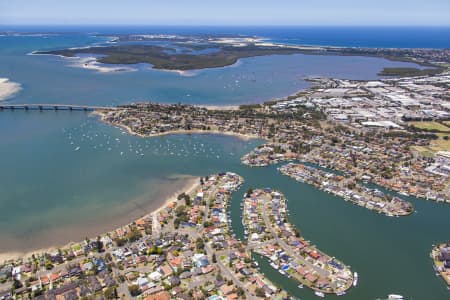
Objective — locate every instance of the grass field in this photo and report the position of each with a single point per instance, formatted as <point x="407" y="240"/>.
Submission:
<point x="436" y="145"/>
<point x="431" y="126"/>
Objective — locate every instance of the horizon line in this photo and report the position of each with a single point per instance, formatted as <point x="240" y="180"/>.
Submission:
<point x="226" y="25"/>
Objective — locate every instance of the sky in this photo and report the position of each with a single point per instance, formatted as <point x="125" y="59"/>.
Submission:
<point x="227" y="12"/>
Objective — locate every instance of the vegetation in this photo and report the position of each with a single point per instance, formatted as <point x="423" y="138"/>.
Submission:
<point x="408" y="72"/>
<point x="431" y="126"/>
<point x="161" y="58"/>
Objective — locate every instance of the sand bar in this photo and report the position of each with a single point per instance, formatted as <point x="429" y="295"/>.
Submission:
<point x="8" y="88"/>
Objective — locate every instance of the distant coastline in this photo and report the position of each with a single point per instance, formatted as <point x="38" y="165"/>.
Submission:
<point x="231" y="49"/>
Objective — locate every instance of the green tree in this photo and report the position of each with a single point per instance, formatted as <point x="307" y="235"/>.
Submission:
<point x="134" y="290"/>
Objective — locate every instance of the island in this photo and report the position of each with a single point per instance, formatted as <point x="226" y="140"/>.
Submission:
<point x="193" y="52"/>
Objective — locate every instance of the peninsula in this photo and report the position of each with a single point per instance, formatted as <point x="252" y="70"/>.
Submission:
<point x="271" y="235"/>
<point x="349" y="189"/>
<point x="440" y="255"/>
<point x="361" y="128"/>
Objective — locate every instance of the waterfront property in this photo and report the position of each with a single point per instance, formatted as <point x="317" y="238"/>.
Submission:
<point x="184" y="250"/>
<point x="349" y="189"/>
<point x="372" y="149"/>
<point x="270" y="234"/>
<point x="440" y="255"/>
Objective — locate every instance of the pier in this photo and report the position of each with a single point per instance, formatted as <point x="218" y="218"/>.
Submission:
<point x="54" y="107"/>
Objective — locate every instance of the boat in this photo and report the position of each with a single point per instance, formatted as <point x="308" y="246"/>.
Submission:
<point x="395" y="296"/>
<point x="355" y="279"/>
<point x="77" y="148"/>
<point x="300" y="286"/>
<point x="340" y="293"/>
<point x="275" y="266"/>
<point x="319" y="294"/>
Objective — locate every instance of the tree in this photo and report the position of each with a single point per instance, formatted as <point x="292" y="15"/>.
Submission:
<point x="260" y="292"/>
<point x="240" y="291"/>
<point x="134" y="290"/>
<point x="199" y="244"/>
<point x="99" y="245"/>
<point x="48" y="265"/>
<point x="110" y="293"/>
<point x="17" y="284"/>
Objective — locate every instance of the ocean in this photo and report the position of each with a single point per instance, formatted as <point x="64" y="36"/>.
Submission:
<point x="51" y="193"/>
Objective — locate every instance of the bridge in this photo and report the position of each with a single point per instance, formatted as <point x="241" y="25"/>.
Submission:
<point x="55" y="107"/>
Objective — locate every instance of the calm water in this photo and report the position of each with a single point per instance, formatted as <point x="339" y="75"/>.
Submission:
<point x="250" y="80"/>
<point x="51" y="193"/>
<point x="389" y="254"/>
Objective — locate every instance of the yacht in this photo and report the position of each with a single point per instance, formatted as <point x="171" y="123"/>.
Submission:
<point x="320" y="294"/>
<point x="395" y="296"/>
<point x="355" y="279"/>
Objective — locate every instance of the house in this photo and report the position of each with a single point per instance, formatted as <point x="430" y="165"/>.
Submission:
<point x="155" y="276"/>
<point x="174" y="280"/>
<point x="166" y="270"/>
<point x="200" y="260"/>
<point x="163" y="295"/>
<point x="226" y="289"/>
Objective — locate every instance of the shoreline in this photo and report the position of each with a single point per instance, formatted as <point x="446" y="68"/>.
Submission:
<point x="245" y="137"/>
<point x="190" y="183"/>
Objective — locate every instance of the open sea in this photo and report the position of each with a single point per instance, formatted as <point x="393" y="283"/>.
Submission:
<point x="51" y="193"/>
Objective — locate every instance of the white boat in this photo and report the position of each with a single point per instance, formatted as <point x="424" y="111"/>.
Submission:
<point x="320" y="294"/>
<point x="275" y="266"/>
<point x="340" y="293"/>
<point x="395" y="296"/>
<point x="77" y="148"/>
<point x="355" y="279"/>
<point x="300" y="286"/>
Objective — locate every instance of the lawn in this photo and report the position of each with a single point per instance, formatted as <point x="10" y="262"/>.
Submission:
<point x="435" y="146"/>
<point x="441" y="145"/>
<point x="431" y="126"/>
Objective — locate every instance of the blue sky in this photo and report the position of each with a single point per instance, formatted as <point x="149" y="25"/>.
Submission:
<point x="227" y="12"/>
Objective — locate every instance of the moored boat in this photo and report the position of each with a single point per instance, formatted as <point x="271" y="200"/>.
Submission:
<point x="319" y="294"/>
<point x="395" y="296"/>
<point x="355" y="279"/>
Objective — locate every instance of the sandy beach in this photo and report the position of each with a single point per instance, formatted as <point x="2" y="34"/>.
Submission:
<point x="220" y="107"/>
<point x="8" y="88"/>
<point x="91" y="63"/>
<point x="131" y="210"/>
